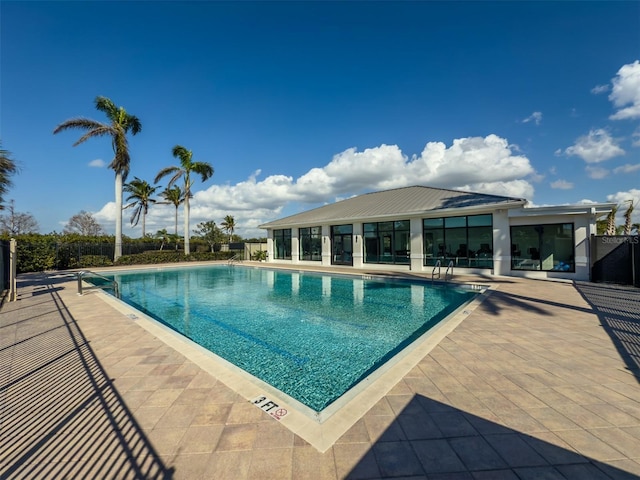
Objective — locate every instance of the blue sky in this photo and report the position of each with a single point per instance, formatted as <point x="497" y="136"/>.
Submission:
<point x="297" y="104"/>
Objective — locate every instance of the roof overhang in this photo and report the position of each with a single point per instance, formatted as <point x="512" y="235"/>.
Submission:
<point x="595" y="209"/>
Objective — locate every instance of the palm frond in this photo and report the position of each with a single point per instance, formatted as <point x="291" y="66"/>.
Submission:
<point x="203" y="169"/>
<point x="182" y="153"/>
<point x="167" y="171"/>
<point x="95" y="132"/>
<point x="135" y="217"/>
<point x="106" y="106"/>
<point x="133" y="124"/>
<point x="80" y="122"/>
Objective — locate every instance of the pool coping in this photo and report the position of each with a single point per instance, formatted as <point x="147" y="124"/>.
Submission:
<point x="321" y="433"/>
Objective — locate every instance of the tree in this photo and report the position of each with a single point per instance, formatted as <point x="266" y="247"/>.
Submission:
<point x="141" y="193"/>
<point x="187" y="166"/>
<point x="163" y="236"/>
<point x="120" y="124"/>
<point x="15" y="223"/>
<point x="84" y="223"/>
<point x="8" y="168"/>
<point x="229" y="225"/>
<point x="173" y="196"/>
<point x="628" y="226"/>
<point x="611" y="221"/>
<point x="210" y="233"/>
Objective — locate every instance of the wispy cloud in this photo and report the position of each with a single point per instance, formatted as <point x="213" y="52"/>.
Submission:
<point x="597" y="173"/>
<point x="535" y="117"/>
<point x="595" y="147"/>
<point x="628" y="168"/>
<point x="598" y="89"/>
<point x="625" y="94"/>
<point x="561" y="185"/>
<point x="97" y="163"/>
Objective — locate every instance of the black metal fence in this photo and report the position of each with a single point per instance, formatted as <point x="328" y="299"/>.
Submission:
<point x="4" y="265"/>
<point x="615" y="259"/>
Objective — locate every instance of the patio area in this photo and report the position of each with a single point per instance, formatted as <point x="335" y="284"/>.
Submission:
<point x="540" y="381"/>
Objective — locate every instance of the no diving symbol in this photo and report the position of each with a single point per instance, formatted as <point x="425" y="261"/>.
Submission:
<point x="279" y="413"/>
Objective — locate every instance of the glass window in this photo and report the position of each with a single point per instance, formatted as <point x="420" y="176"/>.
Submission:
<point x="545" y="247"/>
<point x="342" y="244"/>
<point x="479" y="220"/>
<point x="433" y="222"/>
<point x="452" y="222"/>
<point x="465" y="240"/>
<point x="310" y="241"/>
<point x="387" y="242"/>
<point x="282" y="244"/>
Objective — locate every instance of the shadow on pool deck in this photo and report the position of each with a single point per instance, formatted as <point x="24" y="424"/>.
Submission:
<point x="429" y="439"/>
<point x="619" y="314"/>
<point x="61" y="415"/>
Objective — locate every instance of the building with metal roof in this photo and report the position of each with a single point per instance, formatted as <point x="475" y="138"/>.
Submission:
<point x="418" y="228"/>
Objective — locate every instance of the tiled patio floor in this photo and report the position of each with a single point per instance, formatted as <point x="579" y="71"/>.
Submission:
<point x="541" y="380"/>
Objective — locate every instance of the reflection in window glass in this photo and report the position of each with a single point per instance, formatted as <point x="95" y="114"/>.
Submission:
<point x="310" y="240"/>
<point x="465" y="240"/>
<point x="545" y="247"/>
<point x="387" y="242"/>
<point x="282" y="244"/>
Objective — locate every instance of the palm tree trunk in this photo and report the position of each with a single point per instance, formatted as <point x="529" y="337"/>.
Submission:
<point x="176" y="226"/>
<point x="186" y="225"/>
<point x="118" y="247"/>
<point x="143" y="220"/>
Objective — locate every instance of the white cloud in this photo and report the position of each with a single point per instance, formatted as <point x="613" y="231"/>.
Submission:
<point x="97" y="163"/>
<point x="481" y="164"/>
<point x="626" y="92"/>
<point x="628" y="168"/>
<point x="562" y="185"/>
<point x="535" y="117"/>
<point x="597" y="173"/>
<point x="622" y="199"/>
<point x="598" y="89"/>
<point x="595" y="147"/>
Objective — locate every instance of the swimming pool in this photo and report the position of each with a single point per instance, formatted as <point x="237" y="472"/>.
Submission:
<point x="311" y="336"/>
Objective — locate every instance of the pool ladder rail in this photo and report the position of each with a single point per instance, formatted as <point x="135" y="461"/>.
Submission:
<point x="110" y="283"/>
<point x="448" y="274"/>
<point x="237" y="258"/>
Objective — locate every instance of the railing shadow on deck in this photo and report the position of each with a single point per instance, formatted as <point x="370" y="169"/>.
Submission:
<point x="618" y="309"/>
<point x="61" y="416"/>
<point x="430" y="439"/>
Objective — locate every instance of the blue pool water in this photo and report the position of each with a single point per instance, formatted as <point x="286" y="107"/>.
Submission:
<point x="312" y="336"/>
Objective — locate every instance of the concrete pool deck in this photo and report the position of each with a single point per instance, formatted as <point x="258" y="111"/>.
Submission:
<point x="540" y="380"/>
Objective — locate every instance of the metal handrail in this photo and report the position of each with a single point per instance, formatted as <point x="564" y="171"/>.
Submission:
<point x="111" y="283"/>
<point x="450" y="266"/>
<point x="433" y="272"/>
<point x="235" y="259"/>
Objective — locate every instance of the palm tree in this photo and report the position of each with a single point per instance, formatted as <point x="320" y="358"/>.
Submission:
<point x="229" y="224"/>
<point x="141" y="192"/>
<point x="8" y="167"/>
<point x="611" y="221"/>
<point x="163" y="236"/>
<point x="628" y="226"/>
<point x="120" y="123"/>
<point x="173" y="196"/>
<point x="187" y="165"/>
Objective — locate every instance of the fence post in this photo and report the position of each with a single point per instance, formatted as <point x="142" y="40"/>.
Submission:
<point x="13" y="262"/>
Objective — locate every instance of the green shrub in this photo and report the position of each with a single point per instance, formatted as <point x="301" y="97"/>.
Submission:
<point x="95" y="261"/>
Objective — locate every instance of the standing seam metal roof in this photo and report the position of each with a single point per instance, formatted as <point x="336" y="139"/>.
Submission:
<point x="400" y="201"/>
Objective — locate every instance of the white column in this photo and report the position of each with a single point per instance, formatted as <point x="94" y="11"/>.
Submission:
<point x="416" y="255"/>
